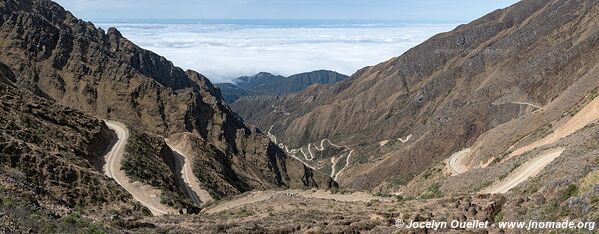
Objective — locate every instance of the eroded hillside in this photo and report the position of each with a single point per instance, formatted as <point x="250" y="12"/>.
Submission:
<point x="486" y="79"/>
<point x="51" y="155"/>
<point x="62" y="58"/>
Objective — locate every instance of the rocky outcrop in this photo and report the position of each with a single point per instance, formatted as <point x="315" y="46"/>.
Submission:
<point x="450" y="90"/>
<point x="59" y="57"/>
<point x="100" y="72"/>
<point x="266" y="84"/>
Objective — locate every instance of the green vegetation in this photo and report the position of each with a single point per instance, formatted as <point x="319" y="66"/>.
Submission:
<point x="429" y="172"/>
<point x="551" y="210"/>
<point x="594" y="201"/>
<point x="483" y="185"/>
<point x="588" y="182"/>
<point x="371" y="203"/>
<point x="432" y="192"/>
<point x="398" y="181"/>
<point x="75" y="220"/>
<point x="144" y="162"/>
<point x="24" y="215"/>
<point x="498" y="217"/>
<point x="571" y="191"/>
<point x="544" y="130"/>
<point x="501" y="157"/>
<point x="540" y="133"/>
<point x="518" y="163"/>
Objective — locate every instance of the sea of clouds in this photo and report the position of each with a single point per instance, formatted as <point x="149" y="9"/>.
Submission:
<point x="225" y="51"/>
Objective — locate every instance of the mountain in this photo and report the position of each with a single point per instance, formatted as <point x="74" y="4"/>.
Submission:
<point x="49" y="160"/>
<point x="266" y="84"/>
<point x="261" y="78"/>
<point x="495" y="121"/>
<point x="499" y="113"/>
<point x="68" y="65"/>
<point x="232" y="92"/>
<point x="479" y="86"/>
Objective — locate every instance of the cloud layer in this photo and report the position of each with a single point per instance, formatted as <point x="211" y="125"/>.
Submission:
<point x="224" y="51"/>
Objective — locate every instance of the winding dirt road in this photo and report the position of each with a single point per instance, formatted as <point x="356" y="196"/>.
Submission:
<point x="404" y="140"/>
<point x="456" y="164"/>
<point x="334" y="161"/>
<point x="322" y="145"/>
<point x="271" y="136"/>
<point x="192" y="185"/>
<point x="310" y="156"/>
<point x="522" y="173"/>
<point x="584" y="117"/>
<point x="144" y="194"/>
<point x="344" y="167"/>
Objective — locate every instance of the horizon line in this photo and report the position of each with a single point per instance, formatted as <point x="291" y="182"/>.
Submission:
<point x="397" y="21"/>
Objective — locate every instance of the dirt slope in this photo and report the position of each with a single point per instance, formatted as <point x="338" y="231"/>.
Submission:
<point x="448" y="92"/>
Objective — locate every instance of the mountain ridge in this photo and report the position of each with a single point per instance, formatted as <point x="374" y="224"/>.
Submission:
<point x="441" y="91"/>
<point x="267" y="84"/>
<point x="65" y="60"/>
<point x="495" y="121"/>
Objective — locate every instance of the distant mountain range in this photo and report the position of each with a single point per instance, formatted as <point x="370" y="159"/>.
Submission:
<point x="267" y="84"/>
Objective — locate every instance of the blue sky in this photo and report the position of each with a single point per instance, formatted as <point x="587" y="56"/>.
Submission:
<point x="454" y="11"/>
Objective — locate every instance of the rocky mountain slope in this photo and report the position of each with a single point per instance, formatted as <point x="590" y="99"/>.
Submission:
<point x="266" y="84"/>
<point x="431" y="131"/>
<point x="484" y="80"/>
<point x="73" y="63"/>
<point x="53" y="154"/>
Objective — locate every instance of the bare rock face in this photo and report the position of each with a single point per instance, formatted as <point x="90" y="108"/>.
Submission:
<point x="447" y="91"/>
<point x="59" y="57"/>
<point x="105" y="74"/>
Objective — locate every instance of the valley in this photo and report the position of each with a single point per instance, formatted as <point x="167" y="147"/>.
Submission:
<point x="496" y="120"/>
